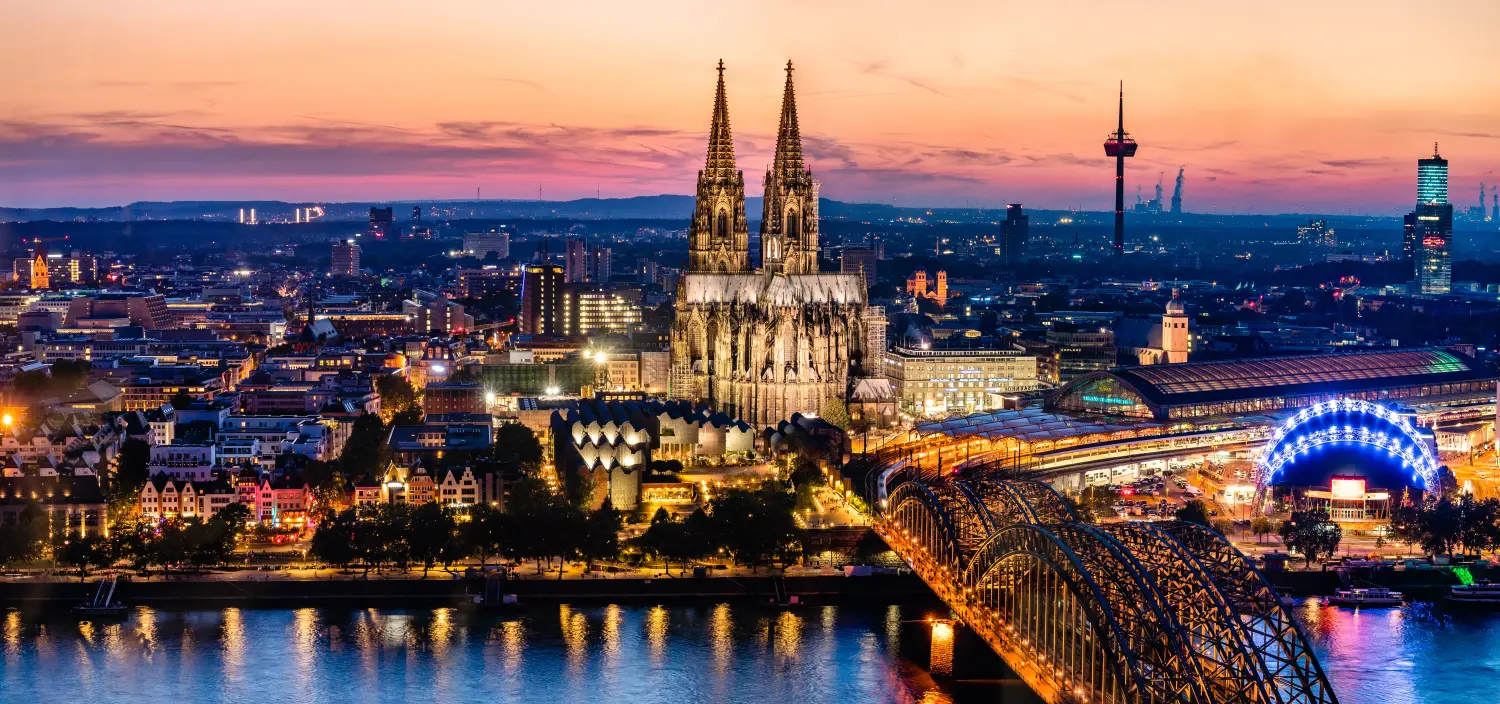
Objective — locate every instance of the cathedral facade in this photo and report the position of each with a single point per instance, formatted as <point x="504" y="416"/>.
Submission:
<point x="763" y="344"/>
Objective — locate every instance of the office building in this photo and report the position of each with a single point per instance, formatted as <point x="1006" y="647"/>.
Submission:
<point x="431" y="311"/>
<point x="576" y="261"/>
<point x="345" y="258"/>
<point x="1316" y="233"/>
<point x="1427" y="232"/>
<point x="382" y="222"/>
<point x="1433" y="229"/>
<point x="489" y="281"/>
<point x="590" y="308"/>
<point x="483" y="244"/>
<point x="600" y="265"/>
<point x="1014" y="233"/>
<point x="148" y="310"/>
<point x="441" y="398"/>
<point x="939" y="382"/>
<point x="859" y="260"/>
<point x="542" y="300"/>
<point x="1432" y="179"/>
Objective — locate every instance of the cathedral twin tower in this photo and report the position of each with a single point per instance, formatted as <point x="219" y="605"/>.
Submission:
<point x="719" y="237"/>
<point x="764" y="345"/>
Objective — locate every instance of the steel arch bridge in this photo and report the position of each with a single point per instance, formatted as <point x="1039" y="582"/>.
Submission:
<point x="1121" y="613"/>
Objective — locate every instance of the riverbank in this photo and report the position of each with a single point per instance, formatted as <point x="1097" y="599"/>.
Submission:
<point x="189" y="591"/>
<point x="1431" y="583"/>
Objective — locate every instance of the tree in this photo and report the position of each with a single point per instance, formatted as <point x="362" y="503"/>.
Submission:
<point x="1222" y="526"/>
<point x="1083" y="509"/>
<point x="1261" y="527"/>
<point x="334" y="543"/>
<point x="601" y="534"/>
<point x="135" y="539"/>
<point x="484" y="534"/>
<point x="835" y="412"/>
<point x="396" y="395"/>
<point x="756" y="525"/>
<point x="326" y="483"/>
<point x="366" y="453"/>
<point x="411" y="415"/>
<point x="432" y="534"/>
<point x="1447" y="481"/>
<point x="1311" y="533"/>
<point x="84" y="553"/>
<point x="667" y="539"/>
<point x="25" y="540"/>
<point x="1194" y="511"/>
<point x="131" y="469"/>
<point x="516" y="445"/>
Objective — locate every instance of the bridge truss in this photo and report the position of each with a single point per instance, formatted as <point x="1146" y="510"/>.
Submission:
<point x="1121" y="613"/>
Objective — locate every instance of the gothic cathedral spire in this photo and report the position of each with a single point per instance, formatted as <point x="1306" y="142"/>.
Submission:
<point x="789" y="224"/>
<point x="719" y="236"/>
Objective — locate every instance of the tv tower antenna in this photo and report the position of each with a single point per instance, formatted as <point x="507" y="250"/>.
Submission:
<point x="1120" y="146"/>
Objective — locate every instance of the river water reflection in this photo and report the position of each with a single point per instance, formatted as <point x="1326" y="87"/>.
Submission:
<point x="636" y="654"/>
<point x="610" y="653"/>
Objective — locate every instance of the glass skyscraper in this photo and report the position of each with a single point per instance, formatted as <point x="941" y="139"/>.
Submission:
<point x="1432" y="179"/>
<point x="1428" y="236"/>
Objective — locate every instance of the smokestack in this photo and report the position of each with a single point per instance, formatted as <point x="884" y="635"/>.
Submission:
<point x="1177" y="194"/>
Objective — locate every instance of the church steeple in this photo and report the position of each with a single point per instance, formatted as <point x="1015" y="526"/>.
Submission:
<point x="719" y="235"/>
<point x="720" y="144"/>
<point x="789" y="225"/>
<point x="788" y="137"/>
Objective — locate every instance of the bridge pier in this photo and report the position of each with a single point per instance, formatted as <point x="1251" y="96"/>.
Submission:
<point x="949" y="650"/>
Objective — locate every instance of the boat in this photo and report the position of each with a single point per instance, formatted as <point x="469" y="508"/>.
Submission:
<point x="1289" y="601"/>
<point x="1481" y="593"/>
<point x="104" y="604"/>
<point x="1372" y="596"/>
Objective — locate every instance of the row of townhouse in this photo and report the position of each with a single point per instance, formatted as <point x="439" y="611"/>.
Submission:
<point x="278" y="503"/>
<point x="456" y="487"/>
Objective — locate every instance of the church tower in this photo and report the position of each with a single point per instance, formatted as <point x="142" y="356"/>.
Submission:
<point x="1176" y="333"/>
<point x="789" y="226"/>
<point x="719" y="236"/>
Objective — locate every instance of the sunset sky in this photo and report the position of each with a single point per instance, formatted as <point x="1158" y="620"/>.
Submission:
<point x="1306" y="106"/>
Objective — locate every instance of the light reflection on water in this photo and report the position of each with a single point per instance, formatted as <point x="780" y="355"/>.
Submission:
<point x="1418" y="654"/>
<point x="638" y="654"/>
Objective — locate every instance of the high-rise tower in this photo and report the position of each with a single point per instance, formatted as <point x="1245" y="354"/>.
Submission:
<point x="1120" y="146"/>
<point x="1428" y="236"/>
<point x="789" y="223"/>
<point x="719" y="236"/>
<point x="1432" y="179"/>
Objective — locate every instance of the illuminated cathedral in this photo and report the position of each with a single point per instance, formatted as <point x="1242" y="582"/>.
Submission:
<point x="761" y="345"/>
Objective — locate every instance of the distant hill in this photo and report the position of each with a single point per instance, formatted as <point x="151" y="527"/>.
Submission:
<point x="661" y="207"/>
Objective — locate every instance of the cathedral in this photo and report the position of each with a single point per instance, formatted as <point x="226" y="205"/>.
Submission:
<point x="763" y="344"/>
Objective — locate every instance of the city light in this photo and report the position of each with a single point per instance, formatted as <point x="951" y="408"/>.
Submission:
<point x="1348" y="489"/>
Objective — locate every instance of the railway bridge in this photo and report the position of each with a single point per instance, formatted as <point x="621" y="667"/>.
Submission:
<point x="1119" y="613"/>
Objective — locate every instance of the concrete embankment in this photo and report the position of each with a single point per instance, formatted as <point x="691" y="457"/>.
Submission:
<point x="436" y="590"/>
<point x="1423" y="584"/>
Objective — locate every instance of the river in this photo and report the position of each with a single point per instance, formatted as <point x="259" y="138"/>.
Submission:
<point x="628" y="653"/>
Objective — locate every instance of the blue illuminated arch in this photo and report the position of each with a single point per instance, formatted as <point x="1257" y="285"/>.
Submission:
<point x="1367" y="423"/>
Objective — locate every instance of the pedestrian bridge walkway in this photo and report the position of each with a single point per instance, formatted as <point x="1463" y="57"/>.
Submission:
<point x="1121" y="613"/>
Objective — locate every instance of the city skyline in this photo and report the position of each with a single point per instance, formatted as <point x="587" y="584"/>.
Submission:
<point x="960" y="106"/>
